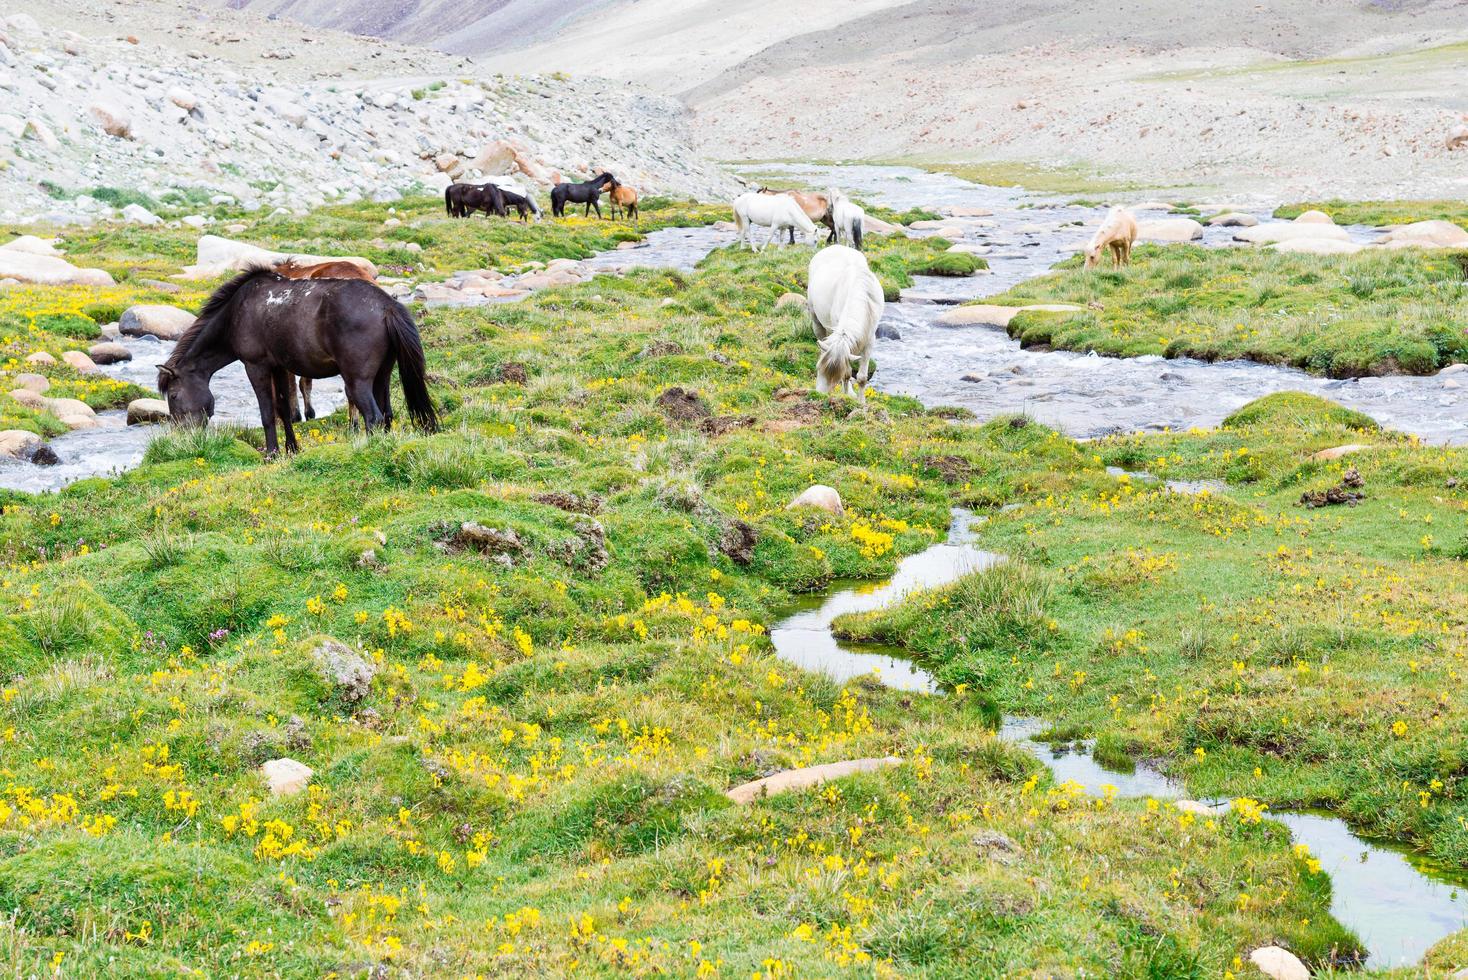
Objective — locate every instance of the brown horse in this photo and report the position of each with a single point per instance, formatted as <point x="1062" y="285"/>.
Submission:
<point x="817" y="208"/>
<point x="626" y="198"/>
<point x="317" y="328"/>
<point x="292" y="268"/>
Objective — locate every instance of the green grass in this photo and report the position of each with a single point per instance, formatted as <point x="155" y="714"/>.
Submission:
<point x="532" y="785"/>
<point x="1034" y="177"/>
<point x="1381" y="212"/>
<point x="1342" y="316"/>
<point x="1304" y="658"/>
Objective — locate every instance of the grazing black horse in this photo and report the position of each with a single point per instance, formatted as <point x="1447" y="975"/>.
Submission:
<point x="587" y="193"/>
<point x="462" y="200"/>
<point x="313" y="328"/>
<point x="524" y="205"/>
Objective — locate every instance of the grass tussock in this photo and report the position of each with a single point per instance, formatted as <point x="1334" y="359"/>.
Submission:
<point x="1342" y="316"/>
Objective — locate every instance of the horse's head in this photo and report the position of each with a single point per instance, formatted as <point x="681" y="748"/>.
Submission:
<point x="1093" y="253"/>
<point x="189" y="399"/>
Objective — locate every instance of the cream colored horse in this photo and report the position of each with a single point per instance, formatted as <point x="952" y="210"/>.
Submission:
<point x="1118" y="233"/>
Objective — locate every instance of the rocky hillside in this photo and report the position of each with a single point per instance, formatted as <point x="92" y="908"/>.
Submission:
<point x="97" y="117"/>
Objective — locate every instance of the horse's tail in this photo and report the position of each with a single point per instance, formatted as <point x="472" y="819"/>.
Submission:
<point x="448" y="200"/>
<point x="856" y="232"/>
<point x="407" y="347"/>
<point x="834" y="364"/>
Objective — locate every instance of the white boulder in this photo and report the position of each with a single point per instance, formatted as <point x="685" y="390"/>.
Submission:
<point x="1169" y="230"/>
<point x="821" y="497"/>
<point x="1316" y="246"/>
<point x="155" y="320"/>
<point x="113" y="119"/>
<point x="1278" y="963"/>
<point x="1426" y="234"/>
<point x="47" y="270"/>
<point x="138" y="215"/>
<point x="1281" y="231"/>
<point x="145" y="411"/>
<point x="1313" y="217"/>
<point x="286" y="777"/>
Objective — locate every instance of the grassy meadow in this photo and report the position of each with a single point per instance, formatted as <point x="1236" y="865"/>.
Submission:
<point x="531" y="783"/>
<point x="1343" y="316"/>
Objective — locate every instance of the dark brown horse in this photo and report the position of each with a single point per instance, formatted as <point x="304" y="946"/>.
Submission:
<point x="462" y="200"/>
<point x="314" y="328"/>
<point x="587" y="192"/>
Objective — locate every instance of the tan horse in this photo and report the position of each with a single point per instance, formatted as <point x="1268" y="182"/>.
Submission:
<point x="1118" y="233"/>
<point x="817" y="208"/>
<point x="339" y="269"/>
<point x="624" y="197"/>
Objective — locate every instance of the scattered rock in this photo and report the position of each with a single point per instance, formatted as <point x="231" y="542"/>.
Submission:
<point x="1169" y="230"/>
<point x="1316" y="246"/>
<point x="32" y="245"/>
<point x="33" y="382"/>
<point x="1233" y="219"/>
<point x="682" y="405"/>
<point x="1280" y="231"/>
<point x="570" y="502"/>
<point x="40" y="357"/>
<point x="660" y="348"/>
<point x="1426" y="234"/>
<point x="1336" y="452"/>
<point x="155" y="320"/>
<point x="147" y="411"/>
<point x="109" y="352"/>
<point x="793" y="779"/>
<point x="819" y="496"/>
<point x="987" y="315"/>
<point x="138" y="215"/>
<point x="21" y="444"/>
<point x="47" y="270"/>
<point x="112" y="118"/>
<point x="885" y="331"/>
<point x="791" y="299"/>
<point x="348" y="672"/>
<point x="473" y="536"/>
<point x="996" y="846"/>
<point x="183" y="98"/>
<point x="586" y="551"/>
<point x="1346" y="492"/>
<point x="286" y="777"/>
<point x="79" y="362"/>
<point x="1313" y="217"/>
<point x="738" y="542"/>
<point x="1279" y="963"/>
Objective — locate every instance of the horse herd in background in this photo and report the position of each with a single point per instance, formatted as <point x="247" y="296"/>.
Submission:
<point x="498" y="195"/>
<point x="293" y="322"/>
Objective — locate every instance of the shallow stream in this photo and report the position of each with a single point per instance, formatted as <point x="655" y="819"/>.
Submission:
<point x="1397" y="904"/>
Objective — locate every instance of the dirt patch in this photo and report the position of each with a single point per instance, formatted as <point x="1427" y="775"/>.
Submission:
<point x="738" y="542"/>
<point x="1347" y="492"/>
<point x="720" y="425"/>
<point x="952" y="469"/>
<point x="660" y="348"/>
<point x="513" y="373"/>
<point x="569" y="502"/>
<point x="682" y="405"/>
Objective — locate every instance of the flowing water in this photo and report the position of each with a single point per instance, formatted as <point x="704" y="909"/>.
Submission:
<point x="978" y="368"/>
<point x="1395" y="903"/>
<point x="984" y="370"/>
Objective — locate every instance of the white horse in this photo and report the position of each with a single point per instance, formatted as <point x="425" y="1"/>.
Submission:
<point x="848" y="217"/>
<point x="845" y="302"/>
<point x="774" y="211"/>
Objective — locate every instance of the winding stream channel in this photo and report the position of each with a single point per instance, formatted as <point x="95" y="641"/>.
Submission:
<point x="979" y="368"/>
<point x="1397" y="904"/>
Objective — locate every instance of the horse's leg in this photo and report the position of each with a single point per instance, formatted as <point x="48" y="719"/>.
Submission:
<point x="382" y="391"/>
<point x="310" y="409"/>
<point x="596" y="203"/>
<point x="359" y="391"/>
<point x="283" y="381"/>
<point x="264" y="386"/>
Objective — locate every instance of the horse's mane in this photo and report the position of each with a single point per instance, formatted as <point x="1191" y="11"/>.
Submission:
<point x="212" y="318"/>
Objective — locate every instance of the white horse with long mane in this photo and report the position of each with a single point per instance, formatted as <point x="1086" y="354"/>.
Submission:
<point x="774" y="211"/>
<point x="848" y="217"/>
<point x="845" y="301"/>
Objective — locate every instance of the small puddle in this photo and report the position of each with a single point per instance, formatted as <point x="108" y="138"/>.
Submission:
<point x="1396" y="903"/>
